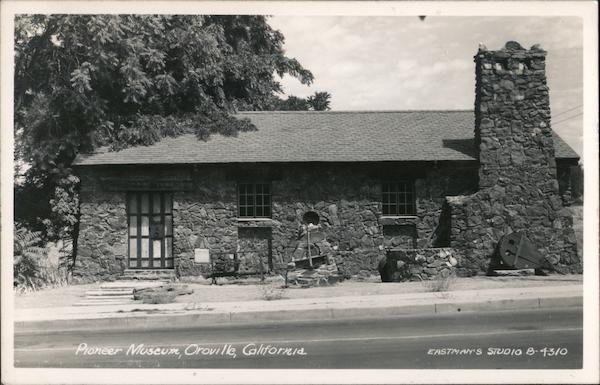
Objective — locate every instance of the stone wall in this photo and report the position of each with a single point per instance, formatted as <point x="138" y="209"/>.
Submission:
<point x="347" y="199"/>
<point x="102" y="244"/>
<point x="518" y="183"/>
<point x="422" y="264"/>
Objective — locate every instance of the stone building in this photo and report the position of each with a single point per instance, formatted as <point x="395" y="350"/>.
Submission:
<point x="414" y="180"/>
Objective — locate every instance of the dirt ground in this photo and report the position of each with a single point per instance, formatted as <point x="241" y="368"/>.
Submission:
<point x="240" y="292"/>
<point x="248" y="290"/>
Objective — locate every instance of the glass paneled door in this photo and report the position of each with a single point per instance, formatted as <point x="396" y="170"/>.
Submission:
<point x="150" y="217"/>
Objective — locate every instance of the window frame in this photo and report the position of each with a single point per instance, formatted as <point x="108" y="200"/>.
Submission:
<point x="403" y="198"/>
<point x="254" y="206"/>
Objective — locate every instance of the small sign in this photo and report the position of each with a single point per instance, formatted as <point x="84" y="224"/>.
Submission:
<point x="201" y="256"/>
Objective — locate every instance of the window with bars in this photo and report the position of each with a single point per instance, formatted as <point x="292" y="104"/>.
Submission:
<point x="254" y="200"/>
<point x="398" y="198"/>
<point x="150" y="222"/>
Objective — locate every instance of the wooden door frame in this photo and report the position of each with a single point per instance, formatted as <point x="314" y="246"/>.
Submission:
<point x="139" y="238"/>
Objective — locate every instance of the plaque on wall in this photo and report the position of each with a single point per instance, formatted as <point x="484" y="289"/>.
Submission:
<point x="201" y="256"/>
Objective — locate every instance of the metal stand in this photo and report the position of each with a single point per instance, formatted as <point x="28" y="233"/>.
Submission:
<point x="308" y="245"/>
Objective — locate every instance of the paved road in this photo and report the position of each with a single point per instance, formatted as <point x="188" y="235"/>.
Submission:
<point x="462" y="340"/>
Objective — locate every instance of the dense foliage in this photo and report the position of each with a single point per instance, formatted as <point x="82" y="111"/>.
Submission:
<point x="86" y="80"/>
<point x="27" y="254"/>
<point x="82" y="81"/>
<point x="292" y="103"/>
<point x="319" y="101"/>
<point x="38" y="264"/>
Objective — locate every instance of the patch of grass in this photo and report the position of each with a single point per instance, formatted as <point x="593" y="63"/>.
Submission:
<point x="52" y="283"/>
<point x="272" y="291"/>
<point x="440" y="283"/>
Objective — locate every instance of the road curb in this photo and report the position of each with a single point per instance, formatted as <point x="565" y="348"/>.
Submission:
<point x="180" y="321"/>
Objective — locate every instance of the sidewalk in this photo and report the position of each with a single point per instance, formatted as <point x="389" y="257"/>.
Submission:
<point x="185" y="315"/>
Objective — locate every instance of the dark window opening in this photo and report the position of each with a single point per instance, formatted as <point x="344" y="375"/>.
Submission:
<point x="398" y="198"/>
<point x="254" y="200"/>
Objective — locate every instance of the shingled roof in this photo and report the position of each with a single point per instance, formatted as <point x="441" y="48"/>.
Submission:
<point x="358" y="136"/>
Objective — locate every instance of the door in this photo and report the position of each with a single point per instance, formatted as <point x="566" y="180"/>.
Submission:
<point x="150" y="223"/>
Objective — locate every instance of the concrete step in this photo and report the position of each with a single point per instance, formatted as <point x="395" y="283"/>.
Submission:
<point x="113" y="288"/>
<point x="120" y="301"/>
<point x="130" y="284"/>
<point x="109" y="292"/>
<point x="146" y="276"/>
<point x="116" y="293"/>
<point x="143" y="277"/>
<point x="148" y="272"/>
<point x="154" y="278"/>
<point x="111" y="297"/>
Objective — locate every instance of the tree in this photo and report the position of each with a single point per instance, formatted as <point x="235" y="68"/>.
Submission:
<point x="292" y="103"/>
<point x="82" y="81"/>
<point x="319" y="101"/>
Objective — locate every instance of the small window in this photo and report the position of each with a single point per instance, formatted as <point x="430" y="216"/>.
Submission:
<point x="398" y="198"/>
<point x="254" y="200"/>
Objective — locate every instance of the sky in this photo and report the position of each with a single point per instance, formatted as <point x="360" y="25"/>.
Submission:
<point x="403" y="63"/>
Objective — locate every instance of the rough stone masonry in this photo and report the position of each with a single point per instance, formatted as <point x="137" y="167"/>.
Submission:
<point x="518" y="187"/>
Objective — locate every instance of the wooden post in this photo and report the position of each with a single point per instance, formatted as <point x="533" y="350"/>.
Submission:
<point x="212" y="270"/>
<point x="262" y="276"/>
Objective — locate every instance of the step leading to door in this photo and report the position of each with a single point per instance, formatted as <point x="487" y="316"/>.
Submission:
<point x="149" y="274"/>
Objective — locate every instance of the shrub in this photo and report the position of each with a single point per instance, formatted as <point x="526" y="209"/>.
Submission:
<point x="34" y="267"/>
<point x="28" y="253"/>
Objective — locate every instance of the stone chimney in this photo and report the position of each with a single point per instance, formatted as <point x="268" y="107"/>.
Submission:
<point x="518" y="188"/>
<point x="512" y="120"/>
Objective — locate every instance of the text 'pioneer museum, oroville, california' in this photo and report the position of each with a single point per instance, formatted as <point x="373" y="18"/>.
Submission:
<point x="413" y="181"/>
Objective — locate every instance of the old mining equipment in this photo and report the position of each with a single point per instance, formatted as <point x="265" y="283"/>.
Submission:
<point x="516" y="251"/>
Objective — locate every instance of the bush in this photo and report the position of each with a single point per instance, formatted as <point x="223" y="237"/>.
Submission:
<point x="28" y="253"/>
<point x="33" y="264"/>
